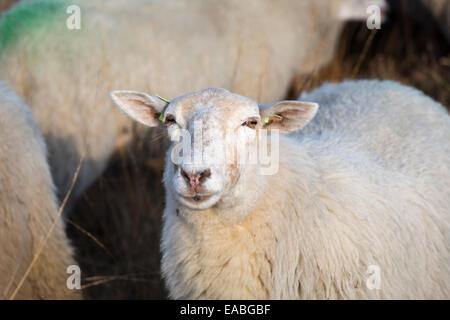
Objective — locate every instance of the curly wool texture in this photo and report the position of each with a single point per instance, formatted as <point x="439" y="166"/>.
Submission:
<point x="165" y="47"/>
<point x="366" y="182"/>
<point x="28" y="208"/>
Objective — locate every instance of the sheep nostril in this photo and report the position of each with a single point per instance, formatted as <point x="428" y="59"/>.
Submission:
<point x="195" y="178"/>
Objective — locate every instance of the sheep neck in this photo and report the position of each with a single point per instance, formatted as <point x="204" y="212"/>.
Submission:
<point x="223" y="244"/>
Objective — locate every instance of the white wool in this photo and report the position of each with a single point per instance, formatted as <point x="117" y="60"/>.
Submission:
<point x="366" y="182"/>
<point x="28" y="208"/>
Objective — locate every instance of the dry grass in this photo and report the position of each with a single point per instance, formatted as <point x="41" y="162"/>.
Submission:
<point x="116" y="226"/>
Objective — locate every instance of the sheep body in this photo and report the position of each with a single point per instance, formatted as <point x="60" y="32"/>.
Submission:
<point x="366" y="183"/>
<point x="164" y="47"/>
<point x="28" y="208"/>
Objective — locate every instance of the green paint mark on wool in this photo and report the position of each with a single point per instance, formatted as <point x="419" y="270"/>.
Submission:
<point x="29" y="16"/>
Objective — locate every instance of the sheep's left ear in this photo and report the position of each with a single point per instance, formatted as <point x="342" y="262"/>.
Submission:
<point x="139" y="106"/>
<point x="288" y="116"/>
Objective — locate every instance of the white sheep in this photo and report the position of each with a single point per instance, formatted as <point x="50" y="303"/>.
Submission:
<point x="166" y="47"/>
<point x="28" y="208"/>
<point x="358" y="208"/>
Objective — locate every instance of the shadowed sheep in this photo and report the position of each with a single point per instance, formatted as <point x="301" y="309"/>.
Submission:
<point x="252" y="47"/>
<point x="28" y="208"/>
<point x="358" y="207"/>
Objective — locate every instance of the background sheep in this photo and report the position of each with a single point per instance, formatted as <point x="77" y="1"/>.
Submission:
<point x="64" y="74"/>
<point x="28" y="208"/>
<point x="367" y="182"/>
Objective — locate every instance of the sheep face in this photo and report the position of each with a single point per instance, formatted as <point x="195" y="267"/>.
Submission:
<point x="215" y="135"/>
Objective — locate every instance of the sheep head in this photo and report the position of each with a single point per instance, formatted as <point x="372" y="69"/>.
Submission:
<point x="215" y="135"/>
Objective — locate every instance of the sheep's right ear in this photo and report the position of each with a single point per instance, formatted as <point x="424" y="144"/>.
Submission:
<point x="288" y="116"/>
<point x="139" y="106"/>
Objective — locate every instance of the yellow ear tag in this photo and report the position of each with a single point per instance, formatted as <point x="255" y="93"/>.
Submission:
<point x="266" y="119"/>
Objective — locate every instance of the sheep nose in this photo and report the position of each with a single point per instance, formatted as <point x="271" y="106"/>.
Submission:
<point x="195" y="179"/>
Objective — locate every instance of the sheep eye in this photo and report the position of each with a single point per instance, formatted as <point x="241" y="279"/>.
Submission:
<point x="251" y="123"/>
<point x="169" y="120"/>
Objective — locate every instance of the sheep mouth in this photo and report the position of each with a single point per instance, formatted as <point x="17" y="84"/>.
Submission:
<point x="198" y="201"/>
<point x="197" y="198"/>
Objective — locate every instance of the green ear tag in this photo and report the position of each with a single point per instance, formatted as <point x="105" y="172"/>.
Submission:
<point x="163" y="99"/>
<point x="161" y="116"/>
<point x="266" y="120"/>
